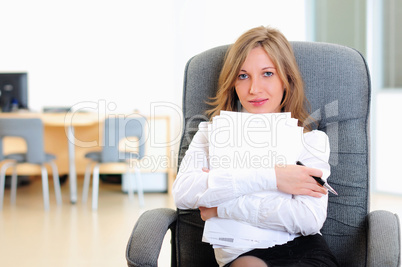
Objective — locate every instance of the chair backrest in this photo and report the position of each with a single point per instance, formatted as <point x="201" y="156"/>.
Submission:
<point x="31" y="130"/>
<point x="337" y="85"/>
<point x="121" y="128"/>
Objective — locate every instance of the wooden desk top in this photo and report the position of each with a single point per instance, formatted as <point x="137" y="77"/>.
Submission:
<point x="67" y="119"/>
<point x="58" y="119"/>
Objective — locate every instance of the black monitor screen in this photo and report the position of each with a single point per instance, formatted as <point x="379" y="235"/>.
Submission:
<point x="14" y="91"/>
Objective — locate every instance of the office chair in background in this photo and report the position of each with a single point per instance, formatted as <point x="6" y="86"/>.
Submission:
<point x="118" y="131"/>
<point x="31" y="130"/>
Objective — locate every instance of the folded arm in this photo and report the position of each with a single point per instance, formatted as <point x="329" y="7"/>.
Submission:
<point x="295" y="213"/>
<point x="232" y="191"/>
<point x="195" y="188"/>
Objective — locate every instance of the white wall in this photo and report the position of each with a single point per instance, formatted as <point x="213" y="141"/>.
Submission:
<point x="89" y="50"/>
<point x="127" y="52"/>
<point x="388" y="141"/>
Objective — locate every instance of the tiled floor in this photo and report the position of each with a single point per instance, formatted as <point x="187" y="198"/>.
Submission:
<point x="73" y="235"/>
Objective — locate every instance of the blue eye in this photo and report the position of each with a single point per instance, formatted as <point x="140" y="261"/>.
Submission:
<point x="243" y="76"/>
<point x="268" y="74"/>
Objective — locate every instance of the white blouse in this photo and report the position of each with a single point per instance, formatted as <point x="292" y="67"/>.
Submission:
<point x="233" y="191"/>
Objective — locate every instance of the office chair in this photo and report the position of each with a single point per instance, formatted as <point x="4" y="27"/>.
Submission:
<point x="337" y="85"/>
<point x="31" y="130"/>
<point x="115" y="131"/>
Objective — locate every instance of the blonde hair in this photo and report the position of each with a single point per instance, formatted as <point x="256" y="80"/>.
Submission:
<point x="281" y="53"/>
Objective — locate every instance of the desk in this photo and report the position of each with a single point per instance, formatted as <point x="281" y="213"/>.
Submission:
<point x="70" y="136"/>
<point x="69" y="121"/>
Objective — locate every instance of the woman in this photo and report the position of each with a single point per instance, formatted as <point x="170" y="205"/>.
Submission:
<point x="260" y="73"/>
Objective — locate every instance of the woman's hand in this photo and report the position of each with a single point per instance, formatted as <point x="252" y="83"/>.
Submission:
<point x="297" y="180"/>
<point x="207" y="213"/>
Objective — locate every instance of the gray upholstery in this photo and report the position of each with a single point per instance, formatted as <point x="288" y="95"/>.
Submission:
<point x="146" y="241"/>
<point x="337" y="85"/>
<point x="383" y="239"/>
<point x="31" y="130"/>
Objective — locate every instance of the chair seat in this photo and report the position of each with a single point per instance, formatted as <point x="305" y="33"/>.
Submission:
<point x="22" y="157"/>
<point x="95" y="156"/>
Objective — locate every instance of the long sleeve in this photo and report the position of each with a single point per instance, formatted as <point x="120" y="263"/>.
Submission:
<point x="194" y="188"/>
<point x="282" y="212"/>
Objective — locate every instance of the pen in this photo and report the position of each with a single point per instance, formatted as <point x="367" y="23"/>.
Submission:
<point x="321" y="181"/>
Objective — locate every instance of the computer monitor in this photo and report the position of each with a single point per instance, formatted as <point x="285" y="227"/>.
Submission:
<point x="14" y="91"/>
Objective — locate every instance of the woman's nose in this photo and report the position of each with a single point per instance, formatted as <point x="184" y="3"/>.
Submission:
<point x="255" y="86"/>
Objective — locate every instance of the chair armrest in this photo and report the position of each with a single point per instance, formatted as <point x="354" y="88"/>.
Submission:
<point x="147" y="237"/>
<point x="384" y="243"/>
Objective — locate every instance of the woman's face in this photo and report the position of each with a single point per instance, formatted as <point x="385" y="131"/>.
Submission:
<point x="258" y="85"/>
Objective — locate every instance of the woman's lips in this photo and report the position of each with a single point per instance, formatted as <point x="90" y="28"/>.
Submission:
<point x="258" y="102"/>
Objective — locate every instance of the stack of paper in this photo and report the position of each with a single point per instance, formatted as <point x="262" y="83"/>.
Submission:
<point x="240" y="140"/>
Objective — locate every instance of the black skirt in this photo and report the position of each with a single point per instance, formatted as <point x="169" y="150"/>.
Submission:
<point x="303" y="251"/>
